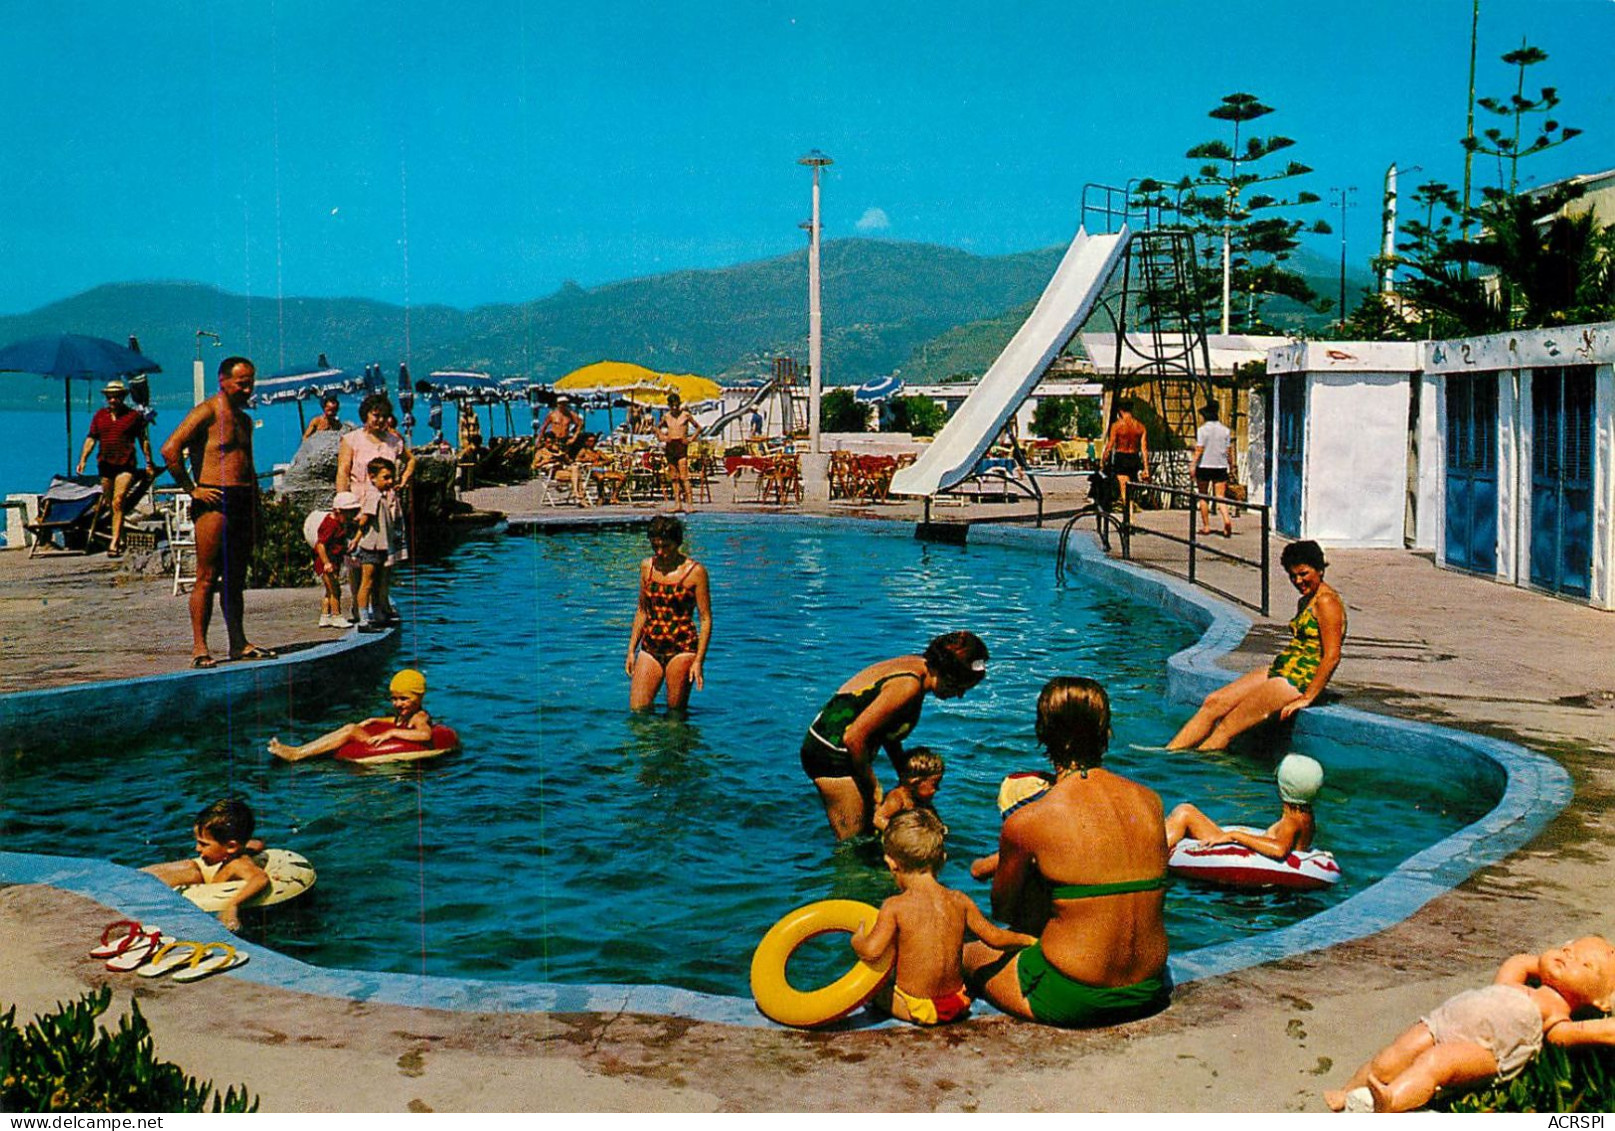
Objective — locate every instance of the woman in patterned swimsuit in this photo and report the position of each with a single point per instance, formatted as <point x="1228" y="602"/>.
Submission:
<point x="666" y="644"/>
<point x="1295" y="678"/>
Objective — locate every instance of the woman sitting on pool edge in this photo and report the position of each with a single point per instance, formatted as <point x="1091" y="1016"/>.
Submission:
<point x="1296" y="677"/>
<point x="665" y="644"/>
<point x="879" y="707"/>
<point x="1084" y="868"/>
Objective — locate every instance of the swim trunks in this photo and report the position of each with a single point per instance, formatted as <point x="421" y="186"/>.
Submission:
<point x="237" y="504"/>
<point x="107" y="470"/>
<point x="934" y="1010"/>
<point x="676" y="451"/>
<point x="824" y="751"/>
<point x="1056" y="999"/>
<point x="1501" y="1019"/>
<point x="1298" y="662"/>
<point x="1126" y="463"/>
<point x="669" y="618"/>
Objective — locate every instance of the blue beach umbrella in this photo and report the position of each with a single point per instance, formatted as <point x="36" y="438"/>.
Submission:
<point x="74" y="357"/>
<point x="880" y="389"/>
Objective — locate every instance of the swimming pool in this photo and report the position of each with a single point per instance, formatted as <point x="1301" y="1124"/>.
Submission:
<point x="575" y="843"/>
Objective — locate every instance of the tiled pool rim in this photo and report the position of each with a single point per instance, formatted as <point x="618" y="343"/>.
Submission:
<point x="1534" y="790"/>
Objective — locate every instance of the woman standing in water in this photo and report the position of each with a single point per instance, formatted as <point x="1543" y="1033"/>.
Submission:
<point x="878" y="707"/>
<point x="666" y="644"/>
<point x="1295" y="678"/>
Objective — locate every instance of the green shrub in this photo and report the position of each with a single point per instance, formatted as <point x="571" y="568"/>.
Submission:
<point x="918" y="416"/>
<point x="1556" y="1080"/>
<point x="280" y="555"/>
<point x="64" y="1061"/>
<point x="839" y="411"/>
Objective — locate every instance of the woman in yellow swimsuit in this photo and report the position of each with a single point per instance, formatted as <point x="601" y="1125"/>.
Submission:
<point x="1295" y="678"/>
<point x="1084" y="868"/>
<point x="666" y="644"/>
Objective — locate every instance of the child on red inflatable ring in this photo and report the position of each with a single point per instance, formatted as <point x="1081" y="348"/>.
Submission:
<point x="409" y="723"/>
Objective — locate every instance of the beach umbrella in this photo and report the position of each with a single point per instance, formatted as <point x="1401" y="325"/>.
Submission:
<point x="643" y="385"/>
<point x="74" y="357"/>
<point x="302" y="382"/>
<point x="880" y="389"/>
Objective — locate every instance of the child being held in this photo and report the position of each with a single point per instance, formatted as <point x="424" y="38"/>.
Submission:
<point x="380" y="520"/>
<point x="223" y="846"/>
<point x="337" y="530"/>
<point x="1480" y="1035"/>
<point x="1299" y="779"/>
<point x="926" y="922"/>
<point x="408" y="723"/>
<point x="921" y="778"/>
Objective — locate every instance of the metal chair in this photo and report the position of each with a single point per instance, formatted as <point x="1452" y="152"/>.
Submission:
<point x="181" y="529"/>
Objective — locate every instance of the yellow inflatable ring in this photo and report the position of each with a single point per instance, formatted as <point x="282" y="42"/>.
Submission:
<point x="804" y="1009"/>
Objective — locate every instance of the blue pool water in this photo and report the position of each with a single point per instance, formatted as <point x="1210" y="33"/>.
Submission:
<point x="574" y="842"/>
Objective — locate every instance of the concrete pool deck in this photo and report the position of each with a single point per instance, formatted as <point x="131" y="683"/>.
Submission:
<point x="1424" y="644"/>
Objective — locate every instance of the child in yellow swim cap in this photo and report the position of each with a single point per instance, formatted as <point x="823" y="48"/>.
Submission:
<point x="409" y="722"/>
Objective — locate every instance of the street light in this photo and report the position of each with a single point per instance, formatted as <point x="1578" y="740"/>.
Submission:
<point x="1342" y="202"/>
<point x="817" y="161"/>
<point x="1387" y="253"/>
<point x="198" y="374"/>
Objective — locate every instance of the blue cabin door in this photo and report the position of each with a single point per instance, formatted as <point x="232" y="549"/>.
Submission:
<point x="1289" y="455"/>
<point x="1471" y="536"/>
<point x="1562" y="480"/>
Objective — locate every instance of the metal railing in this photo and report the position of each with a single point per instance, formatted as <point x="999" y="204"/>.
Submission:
<point x="1197" y="546"/>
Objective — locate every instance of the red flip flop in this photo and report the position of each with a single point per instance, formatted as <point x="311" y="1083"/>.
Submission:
<point x="118" y="937"/>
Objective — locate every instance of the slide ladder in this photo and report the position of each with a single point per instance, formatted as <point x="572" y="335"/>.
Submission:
<point x="1064" y="306"/>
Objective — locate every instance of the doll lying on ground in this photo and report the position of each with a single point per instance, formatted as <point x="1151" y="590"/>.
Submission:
<point x="1492" y="1033"/>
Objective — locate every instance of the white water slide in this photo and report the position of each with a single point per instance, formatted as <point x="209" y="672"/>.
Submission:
<point x="1059" y="314"/>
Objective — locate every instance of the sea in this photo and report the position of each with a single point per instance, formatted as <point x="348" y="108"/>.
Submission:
<point x="37" y="446"/>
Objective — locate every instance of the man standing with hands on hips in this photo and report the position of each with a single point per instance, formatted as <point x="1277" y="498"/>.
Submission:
<point x="215" y="438"/>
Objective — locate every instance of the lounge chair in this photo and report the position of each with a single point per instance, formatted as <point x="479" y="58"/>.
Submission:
<point x="181" y="541"/>
<point x="67" y="510"/>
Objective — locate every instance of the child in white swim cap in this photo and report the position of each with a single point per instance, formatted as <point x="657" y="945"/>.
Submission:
<point x="1299" y="779"/>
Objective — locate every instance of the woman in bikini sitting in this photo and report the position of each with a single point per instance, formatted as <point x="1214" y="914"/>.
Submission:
<point x="1295" y="678"/>
<point x="877" y="708"/>
<point x="666" y="645"/>
<point x="1084" y="868"/>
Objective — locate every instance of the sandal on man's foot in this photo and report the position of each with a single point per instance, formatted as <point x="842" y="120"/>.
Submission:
<point x="253" y="652"/>
<point x="204" y="661"/>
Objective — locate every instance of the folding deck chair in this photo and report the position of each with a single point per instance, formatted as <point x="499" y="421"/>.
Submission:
<point x="67" y="510"/>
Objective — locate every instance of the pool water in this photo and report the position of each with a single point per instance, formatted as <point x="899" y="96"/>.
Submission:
<point x="575" y="842"/>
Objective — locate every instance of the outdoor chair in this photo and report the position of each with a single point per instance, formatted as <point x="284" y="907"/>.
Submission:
<point x="181" y="530"/>
<point x="67" y="511"/>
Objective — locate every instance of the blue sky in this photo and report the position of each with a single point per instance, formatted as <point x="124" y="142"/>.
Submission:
<point x="488" y="151"/>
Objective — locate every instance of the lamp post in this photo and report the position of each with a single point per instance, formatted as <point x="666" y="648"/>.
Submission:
<point x="198" y="374"/>
<point x="1342" y="201"/>
<point x="816" y="161"/>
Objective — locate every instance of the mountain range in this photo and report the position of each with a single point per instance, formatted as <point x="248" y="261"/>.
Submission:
<point x="927" y="310"/>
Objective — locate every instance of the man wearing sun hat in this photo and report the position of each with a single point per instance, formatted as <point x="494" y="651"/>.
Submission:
<point x="118" y="429"/>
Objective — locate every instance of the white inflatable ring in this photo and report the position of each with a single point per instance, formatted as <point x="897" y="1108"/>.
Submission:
<point x="804" y="1009"/>
<point x="1235" y="866"/>
<point x="289" y="877"/>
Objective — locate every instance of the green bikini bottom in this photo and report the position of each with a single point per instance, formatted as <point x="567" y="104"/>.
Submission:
<point x="1058" y="1000"/>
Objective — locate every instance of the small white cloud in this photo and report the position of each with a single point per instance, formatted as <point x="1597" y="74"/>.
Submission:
<point x="874" y="220"/>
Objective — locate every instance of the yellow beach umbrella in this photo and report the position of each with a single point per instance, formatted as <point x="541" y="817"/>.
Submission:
<point x="638" y="383"/>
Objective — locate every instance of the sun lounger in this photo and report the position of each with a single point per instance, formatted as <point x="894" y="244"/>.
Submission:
<point x="66" y="512"/>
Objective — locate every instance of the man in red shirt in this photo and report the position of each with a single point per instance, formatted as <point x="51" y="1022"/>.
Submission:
<point x="117" y="428"/>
